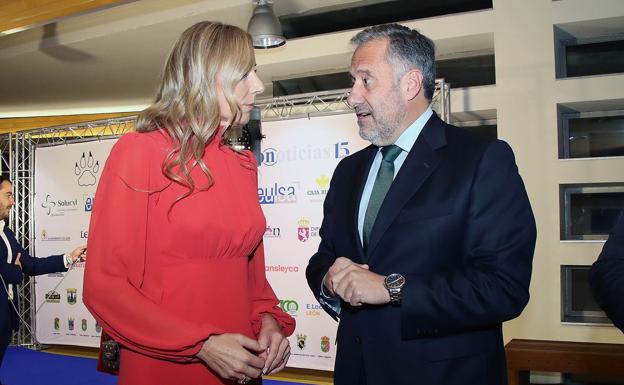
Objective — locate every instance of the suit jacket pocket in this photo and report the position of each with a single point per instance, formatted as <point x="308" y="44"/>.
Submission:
<point x="464" y="345"/>
<point x="432" y="211"/>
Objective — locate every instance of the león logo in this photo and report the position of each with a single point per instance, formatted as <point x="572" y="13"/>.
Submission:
<point x="303" y="229"/>
<point x="86" y="169"/>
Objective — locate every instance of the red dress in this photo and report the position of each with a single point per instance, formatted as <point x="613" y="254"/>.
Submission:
<point x="162" y="281"/>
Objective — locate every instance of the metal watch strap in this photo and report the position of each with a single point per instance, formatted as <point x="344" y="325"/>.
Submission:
<point x="395" y="296"/>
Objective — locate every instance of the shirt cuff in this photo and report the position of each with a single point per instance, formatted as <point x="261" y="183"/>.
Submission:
<point x="67" y="261"/>
<point x="331" y="301"/>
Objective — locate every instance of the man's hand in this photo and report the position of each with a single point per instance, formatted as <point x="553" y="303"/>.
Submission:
<point x="78" y="254"/>
<point x="276" y="346"/>
<point x="18" y="263"/>
<point x="355" y="284"/>
<point x="340" y="264"/>
<point x="229" y="355"/>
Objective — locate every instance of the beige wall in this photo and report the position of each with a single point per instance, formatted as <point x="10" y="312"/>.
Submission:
<point x="527" y="94"/>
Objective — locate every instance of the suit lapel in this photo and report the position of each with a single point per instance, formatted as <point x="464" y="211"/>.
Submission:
<point x="360" y="176"/>
<point x="421" y="161"/>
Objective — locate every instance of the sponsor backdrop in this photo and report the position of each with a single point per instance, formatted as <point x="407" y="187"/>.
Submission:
<point x="298" y="160"/>
<point x="65" y="181"/>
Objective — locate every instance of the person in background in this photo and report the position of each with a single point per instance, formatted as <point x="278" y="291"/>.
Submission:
<point x="606" y="276"/>
<point x="15" y="263"/>
<point x="428" y="236"/>
<point x="176" y="268"/>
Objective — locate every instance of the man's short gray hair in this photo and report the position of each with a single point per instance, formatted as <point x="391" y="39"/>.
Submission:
<point x="407" y="49"/>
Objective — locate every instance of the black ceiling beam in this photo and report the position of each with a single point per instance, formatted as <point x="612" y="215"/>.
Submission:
<point x="360" y="16"/>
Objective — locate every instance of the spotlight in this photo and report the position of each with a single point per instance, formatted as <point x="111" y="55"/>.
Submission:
<point x="264" y="26"/>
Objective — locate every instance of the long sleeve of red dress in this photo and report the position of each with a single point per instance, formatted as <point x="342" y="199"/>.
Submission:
<point x="264" y="301"/>
<point x="162" y="279"/>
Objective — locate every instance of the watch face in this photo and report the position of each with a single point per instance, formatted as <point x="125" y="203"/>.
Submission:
<point x="395" y="281"/>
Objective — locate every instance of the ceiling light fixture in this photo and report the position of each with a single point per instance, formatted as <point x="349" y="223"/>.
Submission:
<point x="264" y="27"/>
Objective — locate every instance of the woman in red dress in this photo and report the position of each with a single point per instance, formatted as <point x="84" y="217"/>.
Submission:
<point x="176" y="262"/>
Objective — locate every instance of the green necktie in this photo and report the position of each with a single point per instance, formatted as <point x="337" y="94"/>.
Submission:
<point x="384" y="178"/>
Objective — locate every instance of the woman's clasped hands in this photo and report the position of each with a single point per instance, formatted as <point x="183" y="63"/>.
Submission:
<point x="240" y="358"/>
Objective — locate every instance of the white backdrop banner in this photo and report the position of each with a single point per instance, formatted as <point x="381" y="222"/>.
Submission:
<point x="298" y="160"/>
<point x="65" y="181"/>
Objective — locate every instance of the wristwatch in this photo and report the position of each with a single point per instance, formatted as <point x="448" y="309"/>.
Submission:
<point x="394" y="283"/>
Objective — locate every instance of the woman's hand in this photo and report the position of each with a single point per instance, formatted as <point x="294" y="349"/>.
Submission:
<point x="275" y="345"/>
<point x="229" y="355"/>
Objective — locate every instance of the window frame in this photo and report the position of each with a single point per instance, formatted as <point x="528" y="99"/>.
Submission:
<point x="571" y="316"/>
<point x="565" y="220"/>
<point x="564" y="129"/>
<point x="563" y="40"/>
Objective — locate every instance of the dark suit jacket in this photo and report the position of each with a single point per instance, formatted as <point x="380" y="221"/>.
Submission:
<point x="607" y="275"/>
<point x="457" y="224"/>
<point x="13" y="274"/>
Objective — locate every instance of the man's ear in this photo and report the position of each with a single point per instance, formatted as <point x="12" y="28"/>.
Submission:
<point x="414" y="80"/>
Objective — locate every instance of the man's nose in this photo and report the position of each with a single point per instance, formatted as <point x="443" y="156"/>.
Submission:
<point x="355" y="96"/>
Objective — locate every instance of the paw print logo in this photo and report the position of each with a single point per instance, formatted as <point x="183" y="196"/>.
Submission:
<point x="86" y="169"/>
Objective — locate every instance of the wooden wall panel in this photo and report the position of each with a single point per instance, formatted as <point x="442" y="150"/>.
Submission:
<point x="22" y="124"/>
<point x="16" y="14"/>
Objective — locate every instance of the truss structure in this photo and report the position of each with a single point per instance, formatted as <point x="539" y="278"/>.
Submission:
<point x="18" y="158"/>
<point x="335" y="102"/>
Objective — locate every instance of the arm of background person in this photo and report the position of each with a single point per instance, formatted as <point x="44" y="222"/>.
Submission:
<point x="36" y="266"/>
<point x="492" y="285"/>
<point x="11" y="273"/>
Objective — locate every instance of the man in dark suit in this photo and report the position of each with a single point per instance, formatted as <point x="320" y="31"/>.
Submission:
<point x="15" y="262"/>
<point x="607" y="275"/>
<point x="427" y="236"/>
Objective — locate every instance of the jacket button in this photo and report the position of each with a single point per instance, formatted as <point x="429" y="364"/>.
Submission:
<point x="357" y="339"/>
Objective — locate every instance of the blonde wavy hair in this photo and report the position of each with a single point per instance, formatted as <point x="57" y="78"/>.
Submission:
<point x="186" y="105"/>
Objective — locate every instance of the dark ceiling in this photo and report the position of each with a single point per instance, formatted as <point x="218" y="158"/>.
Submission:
<point x="365" y="13"/>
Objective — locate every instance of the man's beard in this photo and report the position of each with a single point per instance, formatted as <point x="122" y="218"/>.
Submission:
<point x="386" y="125"/>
